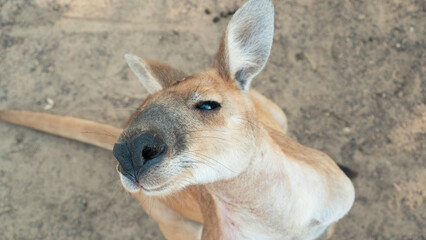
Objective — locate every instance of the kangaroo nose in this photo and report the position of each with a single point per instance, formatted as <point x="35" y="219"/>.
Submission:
<point x="151" y="152"/>
<point x="139" y="154"/>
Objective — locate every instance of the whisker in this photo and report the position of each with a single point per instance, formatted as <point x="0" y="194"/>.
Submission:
<point x="208" y="159"/>
<point x="105" y="133"/>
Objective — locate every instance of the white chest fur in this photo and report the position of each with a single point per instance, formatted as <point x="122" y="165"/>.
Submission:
<point x="290" y="200"/>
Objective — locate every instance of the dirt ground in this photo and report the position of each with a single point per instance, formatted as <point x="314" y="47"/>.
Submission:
<point x="349" y="74"/>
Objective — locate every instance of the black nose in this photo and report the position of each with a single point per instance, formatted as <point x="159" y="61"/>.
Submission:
<point x="139" y="154"/>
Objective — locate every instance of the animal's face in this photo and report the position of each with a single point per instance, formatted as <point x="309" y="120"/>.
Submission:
<point x="197" y="129"/>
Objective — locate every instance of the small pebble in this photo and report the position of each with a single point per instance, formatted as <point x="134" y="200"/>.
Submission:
<point x="216" y="19"/>
<point x="346" y="130"/>
<point x="50" y="104"/>
<point x="207" y="11"/>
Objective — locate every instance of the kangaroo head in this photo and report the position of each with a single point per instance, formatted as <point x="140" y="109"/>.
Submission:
<point x="197" y="129"/>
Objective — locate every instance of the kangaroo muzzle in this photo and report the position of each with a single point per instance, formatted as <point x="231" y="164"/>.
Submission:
<point x="139" y="154"/>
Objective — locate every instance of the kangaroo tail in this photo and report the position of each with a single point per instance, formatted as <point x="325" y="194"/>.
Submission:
<point x="86" y="131"/>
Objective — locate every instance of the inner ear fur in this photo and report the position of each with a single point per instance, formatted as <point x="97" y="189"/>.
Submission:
<point x="246" y="43"/>
<point x="154" y="75"/>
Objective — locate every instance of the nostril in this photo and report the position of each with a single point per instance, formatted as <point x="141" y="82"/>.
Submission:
<point x="149" y="152"/>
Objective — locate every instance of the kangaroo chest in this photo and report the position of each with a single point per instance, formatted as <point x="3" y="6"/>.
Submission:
<point x="274" y="217"/>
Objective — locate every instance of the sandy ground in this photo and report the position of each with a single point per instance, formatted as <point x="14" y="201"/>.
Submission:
<point x="349" y="74"/>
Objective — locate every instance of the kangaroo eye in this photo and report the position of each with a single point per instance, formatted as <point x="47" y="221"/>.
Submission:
<point x="208" y="105"/>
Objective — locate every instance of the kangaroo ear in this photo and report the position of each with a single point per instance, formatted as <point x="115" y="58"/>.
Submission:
<point x="154" y="76"/>
<point x="247" y="42"/>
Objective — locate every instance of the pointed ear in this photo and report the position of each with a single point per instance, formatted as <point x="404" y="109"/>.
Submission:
<point x="247" y="42"/>
<point x="154" y="76"/>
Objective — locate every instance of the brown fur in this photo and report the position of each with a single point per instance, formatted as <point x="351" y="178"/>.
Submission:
<point x="105" y="136"/>
<point x="196" y="203"/>
<point x="309" y="156"/>
<point x="165" y="73"/>
<point x="272" y="176"/>
<point x="184" y="203"/>
<point x="201" y="201"/>
<point x="86" y="131"/>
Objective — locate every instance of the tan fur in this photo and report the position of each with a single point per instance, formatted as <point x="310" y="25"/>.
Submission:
<point x="184" y="203"/>
<point x="331" y="230"/>
<point x="86" y="131"/>
<point x="312" y="157"/>
<point x="164" y="72"/>
<point x="246" y="178"/>
<point x="183" y="207"/>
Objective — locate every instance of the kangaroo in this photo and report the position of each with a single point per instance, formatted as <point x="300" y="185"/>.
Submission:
<point x="208" y="156"/>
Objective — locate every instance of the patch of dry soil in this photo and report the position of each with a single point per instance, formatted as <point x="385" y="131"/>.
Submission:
<point x="349" y="74"/>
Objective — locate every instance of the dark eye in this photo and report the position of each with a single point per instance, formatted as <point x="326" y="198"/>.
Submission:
<point x="208" y="105"/>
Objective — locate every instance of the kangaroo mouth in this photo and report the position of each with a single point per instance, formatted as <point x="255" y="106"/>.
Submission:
<point x="128" y="184"/>
<point x="134" y="186"/>
<point x="156" y="189"/>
